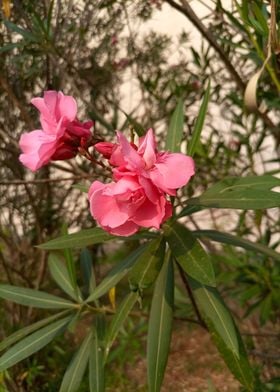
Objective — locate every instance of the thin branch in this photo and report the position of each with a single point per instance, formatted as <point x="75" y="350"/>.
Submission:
<point x="261" y="354"/>
<point x="192" y="299"/>
<point x="262" y="334"/>
<point x="44" y="180"/>
<point x="23" y="113"/>
<point x="186" y="9"/>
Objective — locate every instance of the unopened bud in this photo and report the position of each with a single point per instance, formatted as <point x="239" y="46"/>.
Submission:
<point x="105" y="148"/>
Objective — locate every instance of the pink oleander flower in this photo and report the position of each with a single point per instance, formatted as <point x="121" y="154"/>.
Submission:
<point x="122" y="207"/>
<point x="167" y="171"/>
<point x="61" y="134"/>
<point x="143" y="177"/>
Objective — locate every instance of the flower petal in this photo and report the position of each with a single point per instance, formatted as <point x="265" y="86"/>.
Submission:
<point x="105" y="209"/>
<point x="38" y="148"/>
<point x="172" y="171"/>
<point x="150" y="214"/>
<point x="147" y="148"/>
<point x="66" y="107"/>
<point x="150" y="190"/>
<point x="130" y="155"/>
<point x="127" y="229"/>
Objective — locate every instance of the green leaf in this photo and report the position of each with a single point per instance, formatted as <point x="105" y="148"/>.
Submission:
<point x="258" y="27"/>
<point x="77" y="367"/>
<point x="70" y="263"/>
<point x="195" y="140"/>
<point x="60" y="274"/>
<point x="88" y="237"/>
<point x="81" y="187"/>
<point x="96" y="358"/>
<point x="160" y="326"/>
<point x="49" y="17"/>
<point x="261" y="19"/>
<point x="190" y="254"/>
<point x="189" y="210"/>
<point x="136" y="126"/>
<point x="243" y="10"/>
<point x="21" y="333"/>
<point x="118" y="320"/>
<point x="87" y="271"/>
<point x="116" y="274"/>
<point x="235" y="21"/>
<point x="78" y="240"/>
<point x="176" y="127"/>
<point x="213" y="308"/>
<point x="266" y="308"/>
<point x="247" y="193"/>
<point x="33" y="343"/>
<point x="237" y="241"/>
<point x="34" y="298"/>
<point x="24" y="33"/>
<point x="147" y="267"/>
<point x="238" y="364"/>
<point x="11" y="46"/>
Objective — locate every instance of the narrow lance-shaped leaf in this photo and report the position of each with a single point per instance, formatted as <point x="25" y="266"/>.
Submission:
<point x="213" y="308"/>
<point x="146" y="269"/>
<point x="135" y="125"/>
<point x="239" y="364"/>
<point x="87" y="271"/>
<point x="60" y="274"/>
<point x="49" y="18"/>
<point x="118" y="320"/>
<point x="21" y="333"/>
<point x="77" y="367"/>
<point x="88" y="237"/>
<point x="27" y="35"/>
<point x="34" y="298"/>
<point x="189" y="210"/>
<point x="176" y="127"/>
<point x="33" y="343"/>
<point x="160" y="326"/>
<point x="262" y="21"/>
<point x="8" y="47"/>
<point x="70" y="263"/>
<point x="195" y="139"/>
<point x="116" y="274"/>
<point x="78" y="240"/>
<point x="247" y="193"/>
<point x="237" y="241"/>
<point x="96" y="358"/>
<point x="190" y="254"/>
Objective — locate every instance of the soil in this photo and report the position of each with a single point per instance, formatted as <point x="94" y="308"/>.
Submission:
<point x="194" y="365"/>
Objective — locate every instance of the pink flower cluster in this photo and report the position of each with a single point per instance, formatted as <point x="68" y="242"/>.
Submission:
<point x="143" y="177"/>
<point x="61" y="134"/>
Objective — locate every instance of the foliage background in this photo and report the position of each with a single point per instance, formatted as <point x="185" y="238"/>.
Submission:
<point x="94" y="50"/>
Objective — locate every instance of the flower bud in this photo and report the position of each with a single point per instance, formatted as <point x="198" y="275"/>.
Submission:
<point x="105" y="148"/>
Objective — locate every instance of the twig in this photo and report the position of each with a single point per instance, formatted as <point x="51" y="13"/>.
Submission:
<point x="264" y="355"/>
<point x="23" y="113"/>
<point x="186" y="10"/>
<point x="262" y="334"/>
<point x="44" y="180"/>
